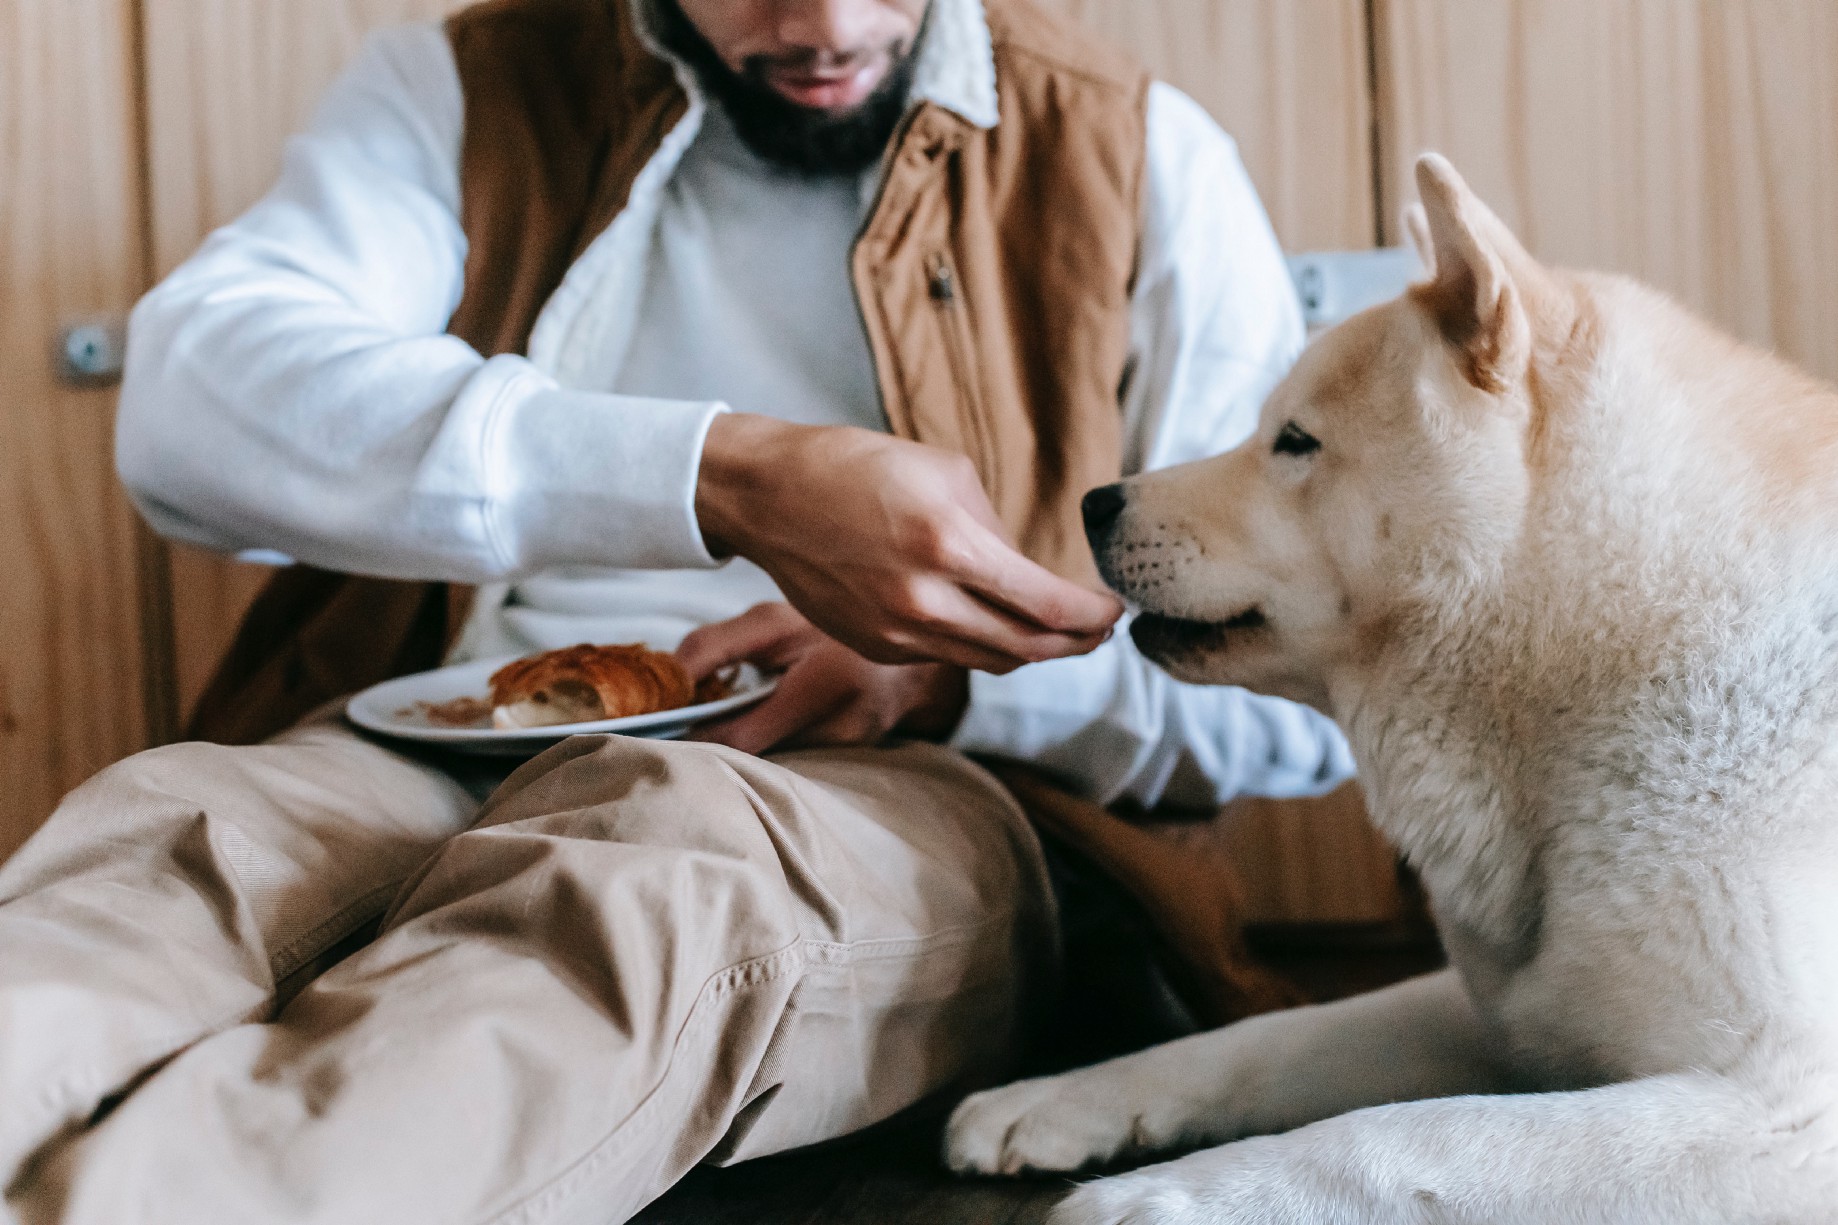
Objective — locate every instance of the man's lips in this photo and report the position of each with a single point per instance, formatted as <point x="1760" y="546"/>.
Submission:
<point x="828" y="91"/>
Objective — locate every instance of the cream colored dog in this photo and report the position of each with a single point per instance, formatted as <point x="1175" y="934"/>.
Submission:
<point x="1563" y="563"/>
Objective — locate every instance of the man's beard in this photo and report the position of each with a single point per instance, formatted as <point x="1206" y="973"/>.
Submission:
<point x="799" y="138"/>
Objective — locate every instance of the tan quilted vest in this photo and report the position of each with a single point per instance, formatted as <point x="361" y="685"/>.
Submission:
<point x="994" y="275"/>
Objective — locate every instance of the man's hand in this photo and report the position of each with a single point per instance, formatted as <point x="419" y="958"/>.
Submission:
<point x="828" y="694"/>
<point x="889" y="546"/>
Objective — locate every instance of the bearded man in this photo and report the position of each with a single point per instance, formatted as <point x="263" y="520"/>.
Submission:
<point x="791" y="329"/>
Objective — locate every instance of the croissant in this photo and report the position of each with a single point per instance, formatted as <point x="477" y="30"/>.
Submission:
<point x="585" y="683"/>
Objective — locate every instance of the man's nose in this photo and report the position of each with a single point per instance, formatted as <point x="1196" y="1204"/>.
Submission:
<point x="1102" y="508"/>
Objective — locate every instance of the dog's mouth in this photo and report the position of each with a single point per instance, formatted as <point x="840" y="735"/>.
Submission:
<point x="1161" y="637"/>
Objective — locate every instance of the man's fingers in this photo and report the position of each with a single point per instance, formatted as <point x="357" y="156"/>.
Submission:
<point x="754" y="636"/>
<point x="993" y="568"/>
<point x="805" y="697"/>
<point x="1030" y="591"/>
<point x="949" y="624"/>
<point x="911" y="644"/>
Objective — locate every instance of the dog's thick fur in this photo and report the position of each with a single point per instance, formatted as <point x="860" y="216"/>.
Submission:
<point x="1564" y="566"/>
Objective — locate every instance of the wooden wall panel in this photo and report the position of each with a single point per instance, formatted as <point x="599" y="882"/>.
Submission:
<point x="1315" y="860"/>
<point x="70" y="246"/>
<point x="227" y="82"/>
<point x="1288" y="80"/>
<point x="210" y="594"/>
<point x="1689" y="142"/>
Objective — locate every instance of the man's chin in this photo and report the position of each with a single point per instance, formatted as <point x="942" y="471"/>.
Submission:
<point x="795" y="118"/>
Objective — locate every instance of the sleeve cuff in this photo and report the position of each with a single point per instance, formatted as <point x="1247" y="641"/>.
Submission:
<point x="590" y="479"/>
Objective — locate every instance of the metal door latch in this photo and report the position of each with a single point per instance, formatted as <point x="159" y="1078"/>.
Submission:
<point x="90" y="352"/>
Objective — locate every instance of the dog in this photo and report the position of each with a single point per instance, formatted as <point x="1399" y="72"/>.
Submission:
<point x="1562" y="561"/>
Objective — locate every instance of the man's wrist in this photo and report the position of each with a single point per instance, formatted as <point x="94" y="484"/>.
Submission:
<point x="733" y="450"/>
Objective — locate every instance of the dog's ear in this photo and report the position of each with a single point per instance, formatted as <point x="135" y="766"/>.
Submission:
<point x="1475" y="292"/>
<point x="1417" y="230"/>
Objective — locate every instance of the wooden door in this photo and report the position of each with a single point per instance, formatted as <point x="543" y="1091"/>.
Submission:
<point x="1694" y="145"/>
<point x="72" y="638"/>
<point x="227" y="82"/>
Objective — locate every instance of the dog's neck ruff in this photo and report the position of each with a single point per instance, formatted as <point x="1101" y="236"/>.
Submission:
<point x="1658" y="650"/>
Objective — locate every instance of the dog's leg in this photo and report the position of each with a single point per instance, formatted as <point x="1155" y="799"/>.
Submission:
<point x="1269" y="1073"/>
<point x="1685" y="1149"/>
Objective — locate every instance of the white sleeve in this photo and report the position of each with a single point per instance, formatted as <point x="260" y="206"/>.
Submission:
<point x="291" y="388"/>
<point x="1215" y="325"/>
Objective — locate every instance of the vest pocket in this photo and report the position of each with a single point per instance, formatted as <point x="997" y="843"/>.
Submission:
<point x="946" y="293"/>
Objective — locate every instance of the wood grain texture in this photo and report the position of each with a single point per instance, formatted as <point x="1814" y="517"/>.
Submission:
<point x="1311" y="860"/>
<point x="70" y="247"/>
<point x="1288" y="80"/>
<point x="228" y="81"/>
<point x="210" y="594"/>
<point x="1693" y="144"/>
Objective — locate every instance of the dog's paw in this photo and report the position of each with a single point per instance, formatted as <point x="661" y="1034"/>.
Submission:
<point x="1265" y="1181"/>
<point x="1131" y="1199"/>
<point x="1053" y="1125"/>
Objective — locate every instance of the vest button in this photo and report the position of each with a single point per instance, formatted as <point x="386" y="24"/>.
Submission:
<point x="943" y="287"/>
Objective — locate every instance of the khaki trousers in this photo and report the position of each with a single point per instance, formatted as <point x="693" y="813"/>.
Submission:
<point x="635" y="957"/>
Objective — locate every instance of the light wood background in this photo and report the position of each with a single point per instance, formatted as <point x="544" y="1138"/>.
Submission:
<point x="1288" y="80"/>
<point x="1692" y="142"/>
<point x="72" y="683"/>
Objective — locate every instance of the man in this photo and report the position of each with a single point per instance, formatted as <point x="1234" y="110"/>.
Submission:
<point x="949" y="268"/>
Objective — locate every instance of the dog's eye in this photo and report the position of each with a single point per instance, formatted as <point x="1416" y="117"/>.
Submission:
<point x="1292" y="439"/>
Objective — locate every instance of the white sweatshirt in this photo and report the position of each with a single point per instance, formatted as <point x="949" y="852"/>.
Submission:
<point x="291" y="388"/>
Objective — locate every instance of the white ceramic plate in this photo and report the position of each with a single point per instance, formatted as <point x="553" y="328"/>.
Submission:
<point x="390" y="709"/>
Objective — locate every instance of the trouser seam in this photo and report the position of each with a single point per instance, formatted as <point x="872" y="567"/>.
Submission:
<point x="284" y="961"/>
<point x="754" y="972"/>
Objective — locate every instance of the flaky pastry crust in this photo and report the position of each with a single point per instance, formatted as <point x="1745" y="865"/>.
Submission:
<point x="585" y="683"/>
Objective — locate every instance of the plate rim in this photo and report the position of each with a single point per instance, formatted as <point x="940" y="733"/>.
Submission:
<point x="686" y="715"/>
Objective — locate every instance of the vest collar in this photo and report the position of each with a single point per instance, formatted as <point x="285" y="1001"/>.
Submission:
<point x="956" y="68"/>
<point x="957" y="62"/>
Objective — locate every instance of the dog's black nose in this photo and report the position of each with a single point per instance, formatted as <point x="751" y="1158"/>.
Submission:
<point x="1101" y="507"/>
